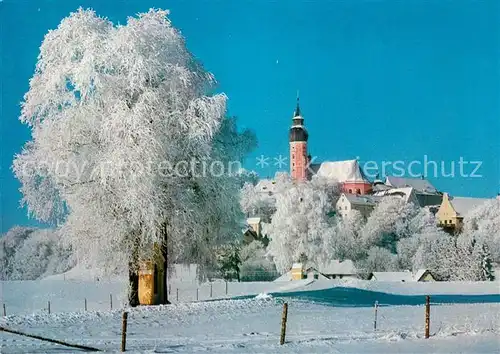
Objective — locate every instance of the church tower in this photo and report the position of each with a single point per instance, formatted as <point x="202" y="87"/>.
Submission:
<point x="298" y="147"/>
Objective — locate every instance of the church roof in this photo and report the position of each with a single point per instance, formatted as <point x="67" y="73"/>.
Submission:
<point x="342" y="171"/>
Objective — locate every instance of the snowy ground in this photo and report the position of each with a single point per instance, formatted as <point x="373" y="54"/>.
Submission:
<point x="334" y="325"/>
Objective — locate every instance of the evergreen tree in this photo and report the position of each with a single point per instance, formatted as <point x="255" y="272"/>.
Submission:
<point x="486" y="265"/>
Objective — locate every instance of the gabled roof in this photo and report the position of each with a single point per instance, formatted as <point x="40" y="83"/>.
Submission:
<point x="420" y="185"/>
<point x="463" y="205"/>
<point x="252" y="221"/>
<point x="407" y="193"/>
<point x="420" y="273"/>
<point x="342" y="171"/>
<point x="393" y="276"/>
<point x="358" y="199"/>
<point x="337" y="267"/>
<point x="380" y="187"/>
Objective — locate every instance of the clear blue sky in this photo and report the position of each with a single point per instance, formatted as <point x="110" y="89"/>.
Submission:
<point x="382" y="80"/>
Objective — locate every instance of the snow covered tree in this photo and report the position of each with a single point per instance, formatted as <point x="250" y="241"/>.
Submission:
<point x="300" y="226"/>
<point x="344" y="240"/>
<point x="487" y="272"/>
<point x="229" y="262"/>
<point x="378" y="260"/>
<point x="121" y="124"/>
<point x="389" y="222"/>
<point x="30" y="253"/>
<point x="255" y="203"/>
<point x="483" y="223"/>
<point x="256" y="265"/>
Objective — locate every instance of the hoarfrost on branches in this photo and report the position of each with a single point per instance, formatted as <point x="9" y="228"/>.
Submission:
<point x="300" y="225"/>
<point x="118" y="114"/>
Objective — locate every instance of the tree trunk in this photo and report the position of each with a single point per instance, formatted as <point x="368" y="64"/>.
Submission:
<point x="133" y="280"/>
<point x="164" y="253"/>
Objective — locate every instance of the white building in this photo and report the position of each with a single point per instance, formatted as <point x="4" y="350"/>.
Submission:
<point x="362" y="203"/>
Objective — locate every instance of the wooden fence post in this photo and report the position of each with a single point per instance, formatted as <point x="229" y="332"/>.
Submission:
<point x="226" y="287"/>
<point x="177" y="296"/>
<point x="124" y="330"/>
<point x="4" y="311"/>
<point x="48" y="306"/>
<point x="196" y="294"/>
<point x="85" y="304"/>
<point x="210" y="289"/>
<point x="375" y="320"/>
<point x="283" y="323"/>
<point x="427" y="315"/>
<point x="111" y="301"/>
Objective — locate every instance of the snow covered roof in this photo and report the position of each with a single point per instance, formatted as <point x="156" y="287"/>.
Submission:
<point x="253" y="221"/>
<point x="380" y="187"/>
<point x="342" y="171"/>
<point x="296" y="265"/>
<point x="339" y="268"/>
<point x="266" y="186"/>
<point x="392" y="276"/>
<point x="361" y="199"/>
<point x="419" y="274"/>
<point x="463" y="205"/>
<point x="407" y="193"/>
<point x="420" y="185"/>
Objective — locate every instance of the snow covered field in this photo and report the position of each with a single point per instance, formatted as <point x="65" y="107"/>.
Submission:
<point x="252" y="325"/>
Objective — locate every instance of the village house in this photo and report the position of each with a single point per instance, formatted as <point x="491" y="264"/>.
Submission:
<point x="422" y="275"/>
<point x="425" y="193"/>
<point x="339" y="269"/>
<point x="332" y="270"/>
<point x="362" y="203"/>
<point x="407" y="193"/>
<point x="452" y="211"/>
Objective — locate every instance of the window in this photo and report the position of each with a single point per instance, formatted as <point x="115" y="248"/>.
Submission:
<point x="446" y="221"/>
<point x="340" y="276"/>
<point x="451" y="222"/>
<point x="358" y="191"/>
<point x="350" y="190"/>
<point x="316" y="276"/>
<point x="334" y="276"/>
